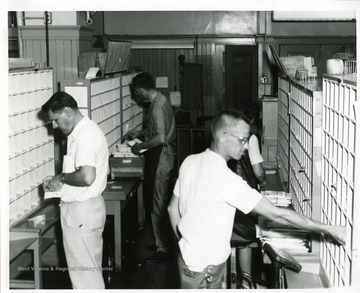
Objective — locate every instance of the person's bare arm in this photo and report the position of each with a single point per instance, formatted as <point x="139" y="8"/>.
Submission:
<point x="174" y="214"/>
<point x="84" y="176"/>
<point x="291" y="218"/>
<point x="259" y="173"/>
<point x="158" y="139"/>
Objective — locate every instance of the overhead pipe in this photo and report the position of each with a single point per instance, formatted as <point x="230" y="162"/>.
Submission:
<point x="46" y="16"/>
<point x="20" y="23"/>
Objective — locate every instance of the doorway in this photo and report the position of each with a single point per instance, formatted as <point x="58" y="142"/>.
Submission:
<point x="241" y="74"/>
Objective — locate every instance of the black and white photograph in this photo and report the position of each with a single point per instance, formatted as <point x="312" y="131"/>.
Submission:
<point x="153" y="145"/>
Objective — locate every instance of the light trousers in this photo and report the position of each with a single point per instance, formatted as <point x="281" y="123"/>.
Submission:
<point x="82" y="225"/>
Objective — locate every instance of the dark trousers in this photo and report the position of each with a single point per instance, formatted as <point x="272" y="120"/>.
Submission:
<point x="159" y="164"/>
<point x="210" y="278"/>
<point x="151" y="163"/>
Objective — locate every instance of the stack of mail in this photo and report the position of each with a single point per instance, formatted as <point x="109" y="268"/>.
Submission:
<point x="278" y="198"/>
<point x="293" y="241"/>
<point x="123" y="150"/>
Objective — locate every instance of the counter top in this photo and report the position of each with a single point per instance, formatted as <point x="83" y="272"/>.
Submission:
<point x="346" y="78"/>
<point x="120" y="189"/>
<point x="50" y="212"/>
<point x="314" y="85"/>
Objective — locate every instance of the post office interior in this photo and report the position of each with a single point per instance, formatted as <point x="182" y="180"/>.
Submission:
<point x="300" y="70"/>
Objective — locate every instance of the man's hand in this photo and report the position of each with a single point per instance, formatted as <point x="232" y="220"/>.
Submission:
<point x="52" y="183"/>
<point x="132" y="134"/>
<point x="136" y="149"/>
<point x="336" y="234"/>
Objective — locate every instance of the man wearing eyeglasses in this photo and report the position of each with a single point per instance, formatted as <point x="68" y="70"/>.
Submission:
<point x="205" y="198"/>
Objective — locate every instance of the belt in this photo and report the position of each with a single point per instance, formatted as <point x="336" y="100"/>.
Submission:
<point x="79" y="202"/>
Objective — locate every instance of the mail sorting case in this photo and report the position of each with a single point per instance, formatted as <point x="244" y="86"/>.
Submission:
<point x="340" y="167"/>
<point x="305" y="147"/>
<point x="299" y="131"/>
<point x="31" y="141"/>
<point x="107" y="101"/>
<point x="299" y="146"/>
<point x="283" y="130"/>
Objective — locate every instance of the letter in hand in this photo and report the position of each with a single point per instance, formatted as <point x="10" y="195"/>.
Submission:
<point x="136" y="149"/>
<point x="52" y="183"/>
<point x="336" y="235"/>
<point x="46" y="183"/>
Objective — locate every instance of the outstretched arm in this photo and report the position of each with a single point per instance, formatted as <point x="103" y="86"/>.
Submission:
<point x="291" y="218"/>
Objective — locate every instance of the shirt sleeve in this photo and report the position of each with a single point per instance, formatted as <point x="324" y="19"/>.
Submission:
<point x="254" y="151"/>
<point x="86" y="148"/>
<point x="176" y="188"/>
<point x="238" y="193"/>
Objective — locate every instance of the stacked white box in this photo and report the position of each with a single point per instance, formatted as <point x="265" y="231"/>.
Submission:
<point x="31" y="142"/>
<point x="102" y="100"/>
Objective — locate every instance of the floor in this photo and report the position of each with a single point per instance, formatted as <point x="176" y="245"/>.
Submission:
<point x="136" y="274"/>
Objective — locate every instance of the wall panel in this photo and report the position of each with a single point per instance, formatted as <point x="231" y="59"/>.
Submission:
<point x="65" y="45"/>
<point x="164" y="62"/>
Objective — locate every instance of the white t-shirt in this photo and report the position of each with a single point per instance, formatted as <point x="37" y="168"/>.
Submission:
<point x="254" y="150"/>
<point x="86" y="146"/>
<point x="209" y="193"/>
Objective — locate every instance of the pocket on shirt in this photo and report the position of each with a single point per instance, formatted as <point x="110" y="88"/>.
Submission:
<point x="68" y="164"/>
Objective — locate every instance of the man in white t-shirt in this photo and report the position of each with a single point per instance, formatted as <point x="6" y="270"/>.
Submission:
<point x="205" y="198"/>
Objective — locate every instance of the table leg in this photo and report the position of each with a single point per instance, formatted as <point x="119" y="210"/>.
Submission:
<point x="140" y="201"/>
<point x="117" y="236"/>
<point x="37" y="264"/>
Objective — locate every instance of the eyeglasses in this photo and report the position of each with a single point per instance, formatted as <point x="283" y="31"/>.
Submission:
<point x="242" y="140"/>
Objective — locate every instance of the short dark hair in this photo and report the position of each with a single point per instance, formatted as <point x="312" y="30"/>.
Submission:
<point x="250" y="110"/>
<point x="143" y="80"/>
<point x="59" y="101"/>
<point x="226" y="117"/>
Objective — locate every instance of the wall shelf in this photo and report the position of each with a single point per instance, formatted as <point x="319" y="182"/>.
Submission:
<point x="31" y="141"/>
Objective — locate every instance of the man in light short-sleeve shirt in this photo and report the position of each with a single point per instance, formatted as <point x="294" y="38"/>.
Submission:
<point x="204" y="201"/>
<point x="80" y="186"/>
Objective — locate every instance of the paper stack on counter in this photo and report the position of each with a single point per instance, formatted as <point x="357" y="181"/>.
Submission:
<point x="278" y="198"/>
<point x="35" y="221"/>
<point x="293" y="241"/>
<point x="124" y="149"/>
<point x="293" y="246"/>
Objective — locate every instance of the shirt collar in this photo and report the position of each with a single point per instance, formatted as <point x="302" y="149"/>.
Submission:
<point x="78" y="127"/>
<point x="216" y="157"/>
<point x="156" y="97"/>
